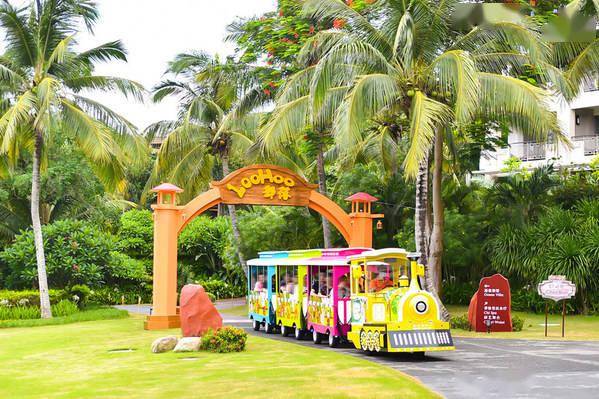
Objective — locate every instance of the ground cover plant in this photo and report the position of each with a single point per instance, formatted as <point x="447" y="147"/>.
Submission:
<point x="83" y="366"/>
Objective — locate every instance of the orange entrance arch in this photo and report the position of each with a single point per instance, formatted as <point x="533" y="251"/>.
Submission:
<point x="252" y="185"/>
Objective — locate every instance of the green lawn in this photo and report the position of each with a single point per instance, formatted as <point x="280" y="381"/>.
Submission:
<point x="578" y="327"/>
<point x="73" y="361"/>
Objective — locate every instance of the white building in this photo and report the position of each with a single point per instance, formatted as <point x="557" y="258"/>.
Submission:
<point x="579" y="121"/>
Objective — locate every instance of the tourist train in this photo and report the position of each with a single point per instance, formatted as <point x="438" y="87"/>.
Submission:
<point x="371" y="298"/>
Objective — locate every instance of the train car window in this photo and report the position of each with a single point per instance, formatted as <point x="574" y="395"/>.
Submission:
<point x="259" y="278"/>
<point x="273" y="283"/>
<point x="343" y="286"/>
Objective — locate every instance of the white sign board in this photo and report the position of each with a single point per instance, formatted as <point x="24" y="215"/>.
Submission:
<point x="557" y="288"/>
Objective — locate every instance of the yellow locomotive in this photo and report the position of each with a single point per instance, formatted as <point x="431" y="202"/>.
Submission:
<point x="390" y="311"/>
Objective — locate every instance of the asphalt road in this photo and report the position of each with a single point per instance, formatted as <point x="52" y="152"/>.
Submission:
<point x="485" y="367"/>
<point x="497" y="368"/>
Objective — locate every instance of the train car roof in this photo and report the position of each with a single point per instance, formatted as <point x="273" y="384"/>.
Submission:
<point x="304" y="257"/>
<point x="379" y="252"/>
<point x="298" y="262"/>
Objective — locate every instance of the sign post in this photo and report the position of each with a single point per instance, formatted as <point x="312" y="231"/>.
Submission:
<point x="557" y="288"/>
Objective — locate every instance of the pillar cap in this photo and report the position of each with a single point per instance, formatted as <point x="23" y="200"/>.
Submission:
<point x="362" y="197"/>
<point x="167" y="188"/>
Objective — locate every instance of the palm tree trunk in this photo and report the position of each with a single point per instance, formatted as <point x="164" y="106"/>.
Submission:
<point x="322" y="188"/>
<point x="436" y="241"/>
<point x="421" y="211"/>
<point x="45" y="309"/>
<point x="234" y="224"/>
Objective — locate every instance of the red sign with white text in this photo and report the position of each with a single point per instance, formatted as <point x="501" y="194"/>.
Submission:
<point x="491" y="305"/>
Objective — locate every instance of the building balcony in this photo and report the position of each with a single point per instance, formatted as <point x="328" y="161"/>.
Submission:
<point x="588" y="144"/>
<point x="529" y="151"/>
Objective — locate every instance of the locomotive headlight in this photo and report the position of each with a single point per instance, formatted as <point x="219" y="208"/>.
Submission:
<point x="420" y="304"/>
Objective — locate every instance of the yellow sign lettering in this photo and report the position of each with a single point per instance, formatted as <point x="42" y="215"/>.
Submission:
<point x="240" y="191"/>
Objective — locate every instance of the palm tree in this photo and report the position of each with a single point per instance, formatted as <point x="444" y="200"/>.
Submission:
<point x="295" y="118"/>
<point x="42" y="77"/>
<point x="406" y="61"/>
<point x="213" y="125"/>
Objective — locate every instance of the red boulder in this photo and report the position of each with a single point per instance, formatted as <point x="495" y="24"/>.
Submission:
<point x="198" y="314"/>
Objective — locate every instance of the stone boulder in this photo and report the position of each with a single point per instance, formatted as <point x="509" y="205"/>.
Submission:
<point x="188" y="344"/>
<point x="197" y="312"/>
<point x="164" y="344"/>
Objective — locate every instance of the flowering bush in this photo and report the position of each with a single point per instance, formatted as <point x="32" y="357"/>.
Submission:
<point x="225" y="340"/>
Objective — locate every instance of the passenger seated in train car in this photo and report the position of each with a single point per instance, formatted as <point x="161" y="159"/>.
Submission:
<point x="294" y="284"/>
<point x="289" y="284"/>
<point x="343" y="286"/>
<point x="327" y="288"/>
<point x="318" y="281"/>
<point x="380" y="280"/>
<point x="260" y="283"/>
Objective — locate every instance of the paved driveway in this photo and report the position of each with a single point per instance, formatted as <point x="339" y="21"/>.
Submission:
<point x="499" y="368"/>
<point x="485" y="367"/>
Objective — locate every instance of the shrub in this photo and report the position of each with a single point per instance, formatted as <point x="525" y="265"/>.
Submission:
<point x="211" y="296"/>
<point x="460" y="322"/>
<point x="19" y="312"/>
<point x="224" y="340"/>
<point x="80" y="294"/>
<point x="458" y="293"/>
<point x="64" y="308"/>
<point x="517" y="323"/>
<point x="76" y="253"/>
<point x="30" y="297"/>
<point x="115" y="295"/>
<point x="202" y="244"/>
<point x="221" y="289"/>
<point x="136" y="233"/>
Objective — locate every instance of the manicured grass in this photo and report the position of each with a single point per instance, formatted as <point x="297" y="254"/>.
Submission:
<point x="103" y="313"/>
<point x="73" y="361"/>
<point x="578" y="327"/>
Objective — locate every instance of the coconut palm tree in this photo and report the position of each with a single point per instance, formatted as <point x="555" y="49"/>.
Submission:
<point x="213" y="125"/>
<point x="294" y="120"/>
<point x="404" y="60"/>
<point x="43" y="77"/>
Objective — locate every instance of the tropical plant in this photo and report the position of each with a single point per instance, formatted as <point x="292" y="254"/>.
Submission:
<point x="42" y="77"/>
<point x="404" y="63"/>
<point x="78" y="253"/>
<point x="562" y="242"/>
<point x="214" y="122"/>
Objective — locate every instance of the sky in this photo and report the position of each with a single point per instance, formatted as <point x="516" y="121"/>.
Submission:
<point x="154" y="31"/>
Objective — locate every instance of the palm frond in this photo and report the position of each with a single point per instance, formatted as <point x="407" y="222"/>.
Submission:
<point x="454" y="71"/>
<point x="522" y="105"/>
<point x="17" y="115"/>
<point x="127" y="87"/>
<point x="369" y="95"/>
<point x="427" y="115"/>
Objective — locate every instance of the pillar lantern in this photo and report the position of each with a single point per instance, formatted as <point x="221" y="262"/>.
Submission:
<point x="166" y="194"/>
<point x="361" y="219"/>
<point x="167" y="219"/>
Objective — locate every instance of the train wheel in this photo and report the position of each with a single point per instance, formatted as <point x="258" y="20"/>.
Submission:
<point x="298" y="333"/>
<point x="316" y="337"/>
<point x="370" y="340"/>
<point x="269" y="328"/>
<point x="418" y="355"/>
<point x="333" y="340"/>
<point x="284" y="331"/>
<point x="256" y="325"/>
<point x="363" y="340"/>
<point x="376" y="338"/>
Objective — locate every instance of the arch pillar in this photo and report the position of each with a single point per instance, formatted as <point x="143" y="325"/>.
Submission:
<point x="167" y="219"/>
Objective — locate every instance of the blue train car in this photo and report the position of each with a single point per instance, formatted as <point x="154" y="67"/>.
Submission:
<point x="261" y="291"/>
